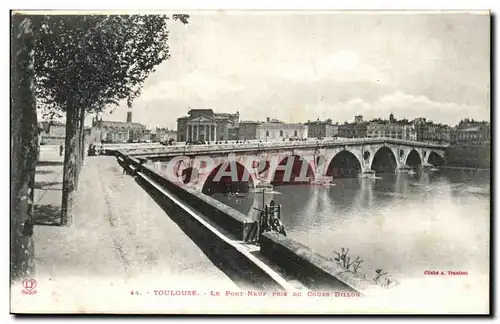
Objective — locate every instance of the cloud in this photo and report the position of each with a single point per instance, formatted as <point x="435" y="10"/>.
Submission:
<point x="195" y="85"/>
<point x="411" y="106"/>
<point x="340" y="66"/>
<point x="206" y="86"/>
<point x="348" y="66"/>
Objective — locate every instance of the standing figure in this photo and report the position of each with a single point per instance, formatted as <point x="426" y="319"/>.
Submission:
<point x="61" y="150"/>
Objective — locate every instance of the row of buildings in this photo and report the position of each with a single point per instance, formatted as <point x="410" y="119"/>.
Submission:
<point x="467" y="131"/>
<point x="204" y="125"/>
<point x="128" y="132"/>
<point x="361" y="129"/>
<point x="108" y="132"/>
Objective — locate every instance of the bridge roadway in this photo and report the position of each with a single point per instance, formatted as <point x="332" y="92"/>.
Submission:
<point x="211" y="149"/>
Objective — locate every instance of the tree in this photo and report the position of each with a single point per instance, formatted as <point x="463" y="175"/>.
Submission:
<point x="86" y="63"/>
<point x="24" y="147"/>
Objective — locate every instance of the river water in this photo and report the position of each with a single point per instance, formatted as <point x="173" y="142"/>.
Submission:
<point x="404" y="224"/>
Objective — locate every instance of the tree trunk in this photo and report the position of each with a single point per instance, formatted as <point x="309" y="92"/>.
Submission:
<point x="81" y="121"/>
<point x="24" y="149"/>
<point x="82" y="150"/>
<point x="70" y="164"/>
<point x="78" y="148"/>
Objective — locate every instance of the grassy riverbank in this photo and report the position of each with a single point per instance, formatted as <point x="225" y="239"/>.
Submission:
<point x="472" y="156"/>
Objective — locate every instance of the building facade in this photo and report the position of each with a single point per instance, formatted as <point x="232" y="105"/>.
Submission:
<point x="321" y="129"/>
<point x="162" y="134"/>
<point x="271" y="130"/>
<point x="437" y="133"/>
<point x="248" y="130"/>
<point x="427" y="131"/>
<point x="358" y="129"/>
<point x="119" y="132"/>
<point x="205" y="125"/>
<point x="391" y="130"/>
<point x="422" y="128"/>
<point x="52" y="133"/>
<point x="352" y="130"/>
<point x="470" y="132"/>
<point x="347" y="130"/>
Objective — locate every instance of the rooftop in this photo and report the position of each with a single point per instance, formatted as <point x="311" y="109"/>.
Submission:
<point x="119" y="123"/>
<point x="471" y="129"/>
<point x="278" y="124"/>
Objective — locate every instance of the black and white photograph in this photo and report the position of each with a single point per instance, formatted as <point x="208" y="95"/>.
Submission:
<point x="250" y="162"/>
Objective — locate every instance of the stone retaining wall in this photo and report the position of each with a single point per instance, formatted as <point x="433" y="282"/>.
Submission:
<point x="311" y="269"/>
<point x="296" y="260"/>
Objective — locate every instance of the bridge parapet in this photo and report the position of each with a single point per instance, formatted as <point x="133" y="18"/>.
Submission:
<point x="338" y="158"/>
<point x="244" y="147"/>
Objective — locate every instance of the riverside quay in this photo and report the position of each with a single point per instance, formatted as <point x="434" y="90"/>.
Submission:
<point x="278" y="200"/>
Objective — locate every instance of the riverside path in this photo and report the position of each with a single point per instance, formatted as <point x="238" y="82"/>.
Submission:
<point x="119" y="233"/>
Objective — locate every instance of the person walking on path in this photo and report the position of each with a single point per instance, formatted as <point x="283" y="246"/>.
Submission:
<point x="61" y="150"/>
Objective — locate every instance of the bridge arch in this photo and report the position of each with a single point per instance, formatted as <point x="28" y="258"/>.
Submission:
<point x="413" y="159"/>
<point x="384" y="161"/>
<point x="344" y="164"/>
<point x="435" y="158"/>
<point x="297" y="173"/>
<point x="228" y="180"/>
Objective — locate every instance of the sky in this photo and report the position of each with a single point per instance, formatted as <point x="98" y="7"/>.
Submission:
<point x="299" y="66"/>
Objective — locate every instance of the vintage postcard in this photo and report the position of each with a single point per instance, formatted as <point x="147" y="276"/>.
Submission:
<point x="250" y="162"/>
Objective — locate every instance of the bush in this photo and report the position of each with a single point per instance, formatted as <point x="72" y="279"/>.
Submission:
<point x="344" y="260"/>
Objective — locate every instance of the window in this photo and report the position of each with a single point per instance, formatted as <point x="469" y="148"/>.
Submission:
<point x="281" y="133"/>
<point x="295" y="133"/>
<point x="267" y="133"/>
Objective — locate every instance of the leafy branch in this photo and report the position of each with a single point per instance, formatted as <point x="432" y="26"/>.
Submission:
<point x="95" y="61"/>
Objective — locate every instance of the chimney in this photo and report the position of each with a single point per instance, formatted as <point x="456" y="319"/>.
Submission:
<point x="129" y="116"/>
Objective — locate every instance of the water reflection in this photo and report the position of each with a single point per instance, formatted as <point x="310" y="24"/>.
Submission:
<point x="403" y="223"/>
<point x="365" y="195"/>
<point x="243" y="204"/>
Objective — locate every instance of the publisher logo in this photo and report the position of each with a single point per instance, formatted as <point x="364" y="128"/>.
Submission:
<point x="29" y="286"/>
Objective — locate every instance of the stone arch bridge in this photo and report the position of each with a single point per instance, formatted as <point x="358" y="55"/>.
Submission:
<point x="291" y="162"/>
